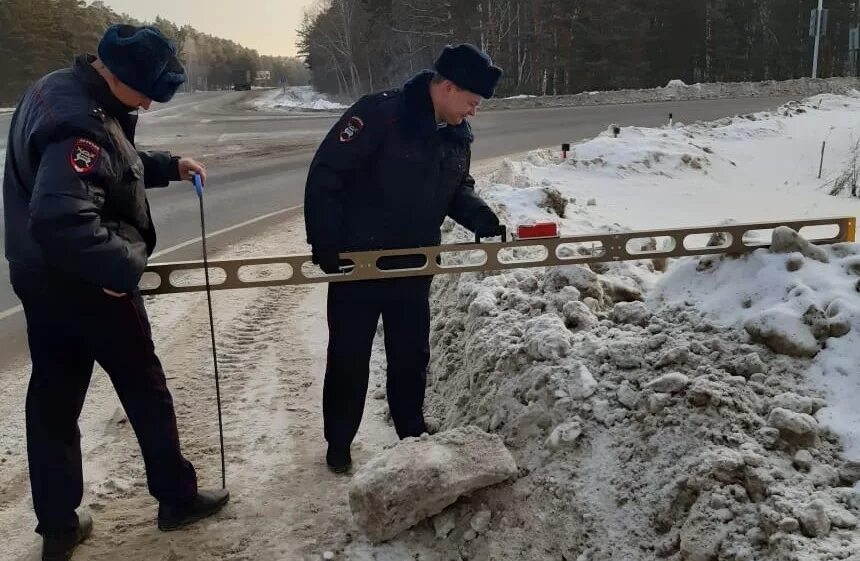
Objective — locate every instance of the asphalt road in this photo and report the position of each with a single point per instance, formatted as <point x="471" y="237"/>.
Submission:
<point x="258" y="162"/>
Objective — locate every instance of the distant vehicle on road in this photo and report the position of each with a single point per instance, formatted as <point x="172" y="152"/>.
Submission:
<point x="242" y="80"/>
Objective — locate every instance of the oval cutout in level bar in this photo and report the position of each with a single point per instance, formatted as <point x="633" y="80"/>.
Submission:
<point x="465" y="258"/>
<point x="523" y="254"/>
<point x="187" y="277"/>
<point x="581" y="250"/>
<point x="824" y="232"/>
<point x="712" y="240"/>
<point x="654" y="245"/>
<point x="265" y="272"/>
<point x="149" y="281"/>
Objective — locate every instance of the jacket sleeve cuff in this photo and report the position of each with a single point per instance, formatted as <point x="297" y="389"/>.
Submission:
<point x="174" y="169"/>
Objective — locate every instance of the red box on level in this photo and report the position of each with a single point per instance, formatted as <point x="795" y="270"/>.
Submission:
<point x="537" y="230"/>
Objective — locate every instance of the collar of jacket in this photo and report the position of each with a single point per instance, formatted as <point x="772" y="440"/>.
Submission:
<point x="419" y="117"/>
<point x="98" y="88"/>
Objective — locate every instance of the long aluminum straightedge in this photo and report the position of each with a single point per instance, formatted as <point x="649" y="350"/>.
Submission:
<point x="166" y="278"/>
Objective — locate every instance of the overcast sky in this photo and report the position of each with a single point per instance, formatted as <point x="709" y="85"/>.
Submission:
<point x="269" y="26"/>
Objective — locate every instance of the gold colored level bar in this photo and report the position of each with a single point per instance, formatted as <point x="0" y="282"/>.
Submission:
<point x="167" y="278"/>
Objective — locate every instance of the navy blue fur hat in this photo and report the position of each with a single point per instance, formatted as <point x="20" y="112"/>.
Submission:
<point x="143" y="59"/>
<point x="469" y="68"/>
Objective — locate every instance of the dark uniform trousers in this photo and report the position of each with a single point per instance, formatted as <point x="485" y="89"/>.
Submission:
<point x="70" y="326"/>
<point x="354" y="309"/>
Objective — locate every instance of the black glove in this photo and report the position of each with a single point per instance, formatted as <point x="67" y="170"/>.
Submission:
<point x="487" y="225"/>
<point x="328" y="260"/>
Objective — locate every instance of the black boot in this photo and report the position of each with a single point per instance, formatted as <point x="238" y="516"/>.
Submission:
<point x="205" y="504"/>
<point x="338" y="458"/>
<point x="59" y="546"/>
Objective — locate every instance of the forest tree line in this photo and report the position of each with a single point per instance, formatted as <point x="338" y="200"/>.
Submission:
<point x="39" y="36"/>
<point x="570" y="46"/>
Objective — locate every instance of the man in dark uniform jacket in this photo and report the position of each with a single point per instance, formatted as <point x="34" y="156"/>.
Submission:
<point x="78" y="235"/>
<point x="385" y="177"/>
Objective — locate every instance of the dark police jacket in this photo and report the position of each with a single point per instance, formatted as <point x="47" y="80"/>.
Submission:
<point x="74" y="186"/>
<point x="386" y="176"/>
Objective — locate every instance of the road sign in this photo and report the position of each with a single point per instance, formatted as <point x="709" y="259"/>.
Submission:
<point x="813" y="21"/>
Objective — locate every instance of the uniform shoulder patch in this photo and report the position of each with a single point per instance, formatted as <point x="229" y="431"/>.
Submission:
<point x="352" y="129"/>
<point x="84" y="155"/>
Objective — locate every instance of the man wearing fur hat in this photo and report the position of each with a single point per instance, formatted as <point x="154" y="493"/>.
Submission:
<point x="385" y="177"/>
<point x="78" y="236"/>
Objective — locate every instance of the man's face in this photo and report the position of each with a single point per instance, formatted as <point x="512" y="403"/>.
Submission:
<point x="127" y="95"/>
<point x="457" y="104"/>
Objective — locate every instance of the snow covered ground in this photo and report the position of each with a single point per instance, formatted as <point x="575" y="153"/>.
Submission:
<point x="746" y="169"/>
<point x="658" y="415"/>
<point x="653" y="415"/>
<point x="295" y="98"/>
<point x="677" y="90"/>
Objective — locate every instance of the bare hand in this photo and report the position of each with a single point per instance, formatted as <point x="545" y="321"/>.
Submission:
<point x="110" y="292"/>
<point x="188" y="167"/>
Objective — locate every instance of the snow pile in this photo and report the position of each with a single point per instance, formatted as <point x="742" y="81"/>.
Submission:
<point x="659" y="416"/>
<point x="796" y="305"/>
<point x="676" y="90"/>
<point x="295" y="98"/>
<point x="646" y="432"/>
